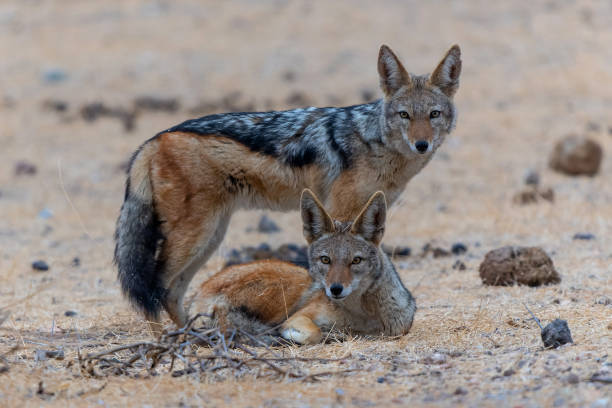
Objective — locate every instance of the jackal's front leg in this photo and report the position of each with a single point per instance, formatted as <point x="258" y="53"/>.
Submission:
<point x="304" y="326"/>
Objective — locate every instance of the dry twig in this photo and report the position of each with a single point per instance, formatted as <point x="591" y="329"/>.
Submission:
<point x="203" y="350"/>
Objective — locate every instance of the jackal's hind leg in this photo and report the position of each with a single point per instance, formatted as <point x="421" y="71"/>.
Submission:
<point x="185" y="267"/>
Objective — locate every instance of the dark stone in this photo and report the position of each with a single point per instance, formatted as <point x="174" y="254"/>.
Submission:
<point x="25" y="168"/>
<point x="576" y="155"/>
<point x="156" y="104"/>
<point x="54" y="75"/>
<point x="396" y="251"/>
<point x="267" y="225"/>
<point x="603" y="300"/>
<point x="367" y="95"/>
<point x="458" y="248"/>
<point x="76" y="261"/>
<point x="511" y="265"/>
<point x="532" y="178"/>
<point x="70" y="313"/>
<point x="440" y="252"/>
<point x="460" y="391"/>
<point x="556" y="334"/>
<point x="459" y="266"/>
<point x="93" y="111"/>
<point x="40" y="265"/>
<point x="586" y="236"/>
<point x="42" y="355"/>
<point x="509" y="372"/>
<point x="572" y="379"/>
<point x="380" y="380"/>
<point x="289" y="76"/>
<point x="264" y="247"/>
<point x="55" y="105"/>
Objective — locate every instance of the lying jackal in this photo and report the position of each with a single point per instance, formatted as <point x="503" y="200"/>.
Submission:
<point x="352" y="285"/>
<point x="185" y="183"/>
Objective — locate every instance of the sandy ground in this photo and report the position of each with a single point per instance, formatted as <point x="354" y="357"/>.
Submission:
<point x="533" y="72"/>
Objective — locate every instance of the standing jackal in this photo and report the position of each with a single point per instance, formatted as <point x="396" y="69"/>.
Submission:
<point x="351" y="285"/>
<point x="184" y="184"/>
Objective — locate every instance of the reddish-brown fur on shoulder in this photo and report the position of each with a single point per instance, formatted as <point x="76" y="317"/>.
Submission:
<point x="269" y="289"/>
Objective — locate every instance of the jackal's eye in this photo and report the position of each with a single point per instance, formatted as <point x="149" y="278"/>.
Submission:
<point x="356" y="260"/>
<point x="325" y="259"/>
<point x="434" y="114"/>
<point x="404" y="115"/>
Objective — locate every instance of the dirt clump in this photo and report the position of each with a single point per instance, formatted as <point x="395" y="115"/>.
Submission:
<point x="574" y="155"/>
<point x="534" y="194"/>
<point x="512" y="265"/>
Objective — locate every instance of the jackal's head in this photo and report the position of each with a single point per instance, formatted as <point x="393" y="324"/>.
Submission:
<point x="418" y="111"/>
<point x="344" y="258"/>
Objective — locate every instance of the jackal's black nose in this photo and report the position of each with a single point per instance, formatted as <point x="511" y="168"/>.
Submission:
<point x="336" y="289"/>
<point x="421" y="146"/>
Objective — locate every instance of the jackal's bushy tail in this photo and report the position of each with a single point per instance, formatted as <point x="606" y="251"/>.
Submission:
<point x="138" y="240"/>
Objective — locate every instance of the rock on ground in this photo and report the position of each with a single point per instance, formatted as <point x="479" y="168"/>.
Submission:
<point x="511" y="265"/>
<point x="576" y="155"/>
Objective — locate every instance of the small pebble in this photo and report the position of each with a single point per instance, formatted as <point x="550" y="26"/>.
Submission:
<point x="42" y="355"/>
<point x="434" y="358"/>
<point x="603" y="300"/>
<point x="70" y="313"/>
<point x="586" y="236"/>
<point x="40" y="265"/>
<point x="264" y="247"/>
<point x="380" y="380"/>
<point x="267" y="225"/>
<point x="532" y="178"/>
<point x="572" y="379"/>
<point x="440" y="252"/>
<point x="556" y="334"/>
<point x="55" y="105"/>
<point x="509" y="372"/>
<point x="458" y="248"/>
<point x="396" y="251"/>
<point x="25" y="168"/>
<point x="459" y="266"/>
<point x="45" y="214"/>
<point x="76" y="261"/>
<point x="460" y="391"/>
<point x="54" y="75"/>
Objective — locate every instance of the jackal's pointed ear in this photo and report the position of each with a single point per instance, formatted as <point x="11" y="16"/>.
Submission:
<point x="370" y="223"/>
<point x="315" y="219"/>
<point x="392" y="73"/>
<point x="446" y="75"/>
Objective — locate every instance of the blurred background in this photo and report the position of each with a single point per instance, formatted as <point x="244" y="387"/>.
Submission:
<point x="83" y="84"/>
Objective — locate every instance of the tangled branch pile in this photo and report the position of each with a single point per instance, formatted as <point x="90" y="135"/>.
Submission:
<point x="207" y="351"/>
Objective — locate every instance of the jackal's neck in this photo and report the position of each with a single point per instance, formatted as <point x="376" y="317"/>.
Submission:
<point x="388" y="288"/>
<point x="369" y="119"/>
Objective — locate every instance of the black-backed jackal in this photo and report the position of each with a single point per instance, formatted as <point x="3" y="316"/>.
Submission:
<point x="351" y="284"/>
<point x="186" y="182"/>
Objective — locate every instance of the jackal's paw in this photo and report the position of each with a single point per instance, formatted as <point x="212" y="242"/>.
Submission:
<point x="301" y="330"/>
